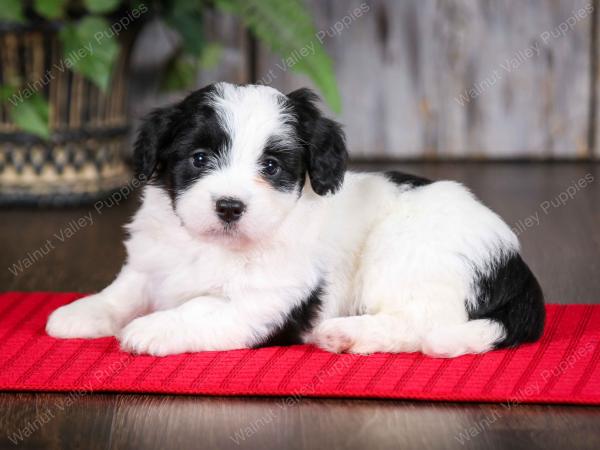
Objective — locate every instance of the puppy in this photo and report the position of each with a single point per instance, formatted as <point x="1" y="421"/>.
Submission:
<point x="251" y="234"/>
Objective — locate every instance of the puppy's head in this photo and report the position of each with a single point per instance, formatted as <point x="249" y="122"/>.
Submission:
<point x="234" y="159"/>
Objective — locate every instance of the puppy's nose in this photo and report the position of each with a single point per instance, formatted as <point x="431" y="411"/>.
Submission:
<point x="229" y="209"/>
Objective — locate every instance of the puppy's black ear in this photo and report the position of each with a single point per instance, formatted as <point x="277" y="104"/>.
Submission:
<point x="327" y="157"/>
<point x="154" y="134"/>
<point x="325" y="143"/>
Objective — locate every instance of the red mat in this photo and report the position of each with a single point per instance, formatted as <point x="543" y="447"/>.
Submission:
<point x="562" y="368"/>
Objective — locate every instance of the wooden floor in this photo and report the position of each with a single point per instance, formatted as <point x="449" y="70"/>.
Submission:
<point x="558" y="222"/>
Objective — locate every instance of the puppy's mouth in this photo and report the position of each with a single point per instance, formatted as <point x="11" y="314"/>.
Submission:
<point x="224" y="230"/>
<point x="227" y="233"/>
<point x="228" y="229"/>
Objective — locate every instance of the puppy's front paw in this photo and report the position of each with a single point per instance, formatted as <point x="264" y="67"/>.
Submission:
<point x="89" y="317"/>
<point x="157" y="334"/>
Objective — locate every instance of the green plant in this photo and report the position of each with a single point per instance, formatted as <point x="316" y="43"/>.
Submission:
<point x="284" y="25"/>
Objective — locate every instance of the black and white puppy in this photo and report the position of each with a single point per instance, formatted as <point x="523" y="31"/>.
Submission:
<point x="251" y="233"/>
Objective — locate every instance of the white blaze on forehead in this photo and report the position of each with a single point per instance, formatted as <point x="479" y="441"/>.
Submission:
<point x="251" y="115"/>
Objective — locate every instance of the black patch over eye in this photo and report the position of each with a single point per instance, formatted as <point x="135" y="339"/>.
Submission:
<point x="199" y="159"/>
<point x="271" y="167"/>
<point x="282" y="163"/>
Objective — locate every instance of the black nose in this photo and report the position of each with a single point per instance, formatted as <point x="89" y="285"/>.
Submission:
<point x="229" y="209"/>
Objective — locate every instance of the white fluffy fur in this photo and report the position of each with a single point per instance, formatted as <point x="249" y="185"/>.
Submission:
<point x="391" y="260"/>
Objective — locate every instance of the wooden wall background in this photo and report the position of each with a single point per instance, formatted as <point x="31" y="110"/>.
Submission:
<point x="403" y="65"/>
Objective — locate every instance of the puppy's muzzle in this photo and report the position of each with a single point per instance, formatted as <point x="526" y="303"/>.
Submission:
<point x="229" y="209"/>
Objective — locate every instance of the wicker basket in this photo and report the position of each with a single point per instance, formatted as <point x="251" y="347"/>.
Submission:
<point x="84" y="159"/>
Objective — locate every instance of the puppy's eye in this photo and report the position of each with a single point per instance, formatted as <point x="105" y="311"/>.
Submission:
<point x="271" y="167"/>
<point x="199" y="159"/>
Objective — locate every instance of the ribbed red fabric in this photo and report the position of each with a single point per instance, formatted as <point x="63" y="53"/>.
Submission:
<point x="562" y="368"/>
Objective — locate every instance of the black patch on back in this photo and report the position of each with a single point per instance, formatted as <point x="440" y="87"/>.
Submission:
<point x="401" y="178"/>
<point x="299" y="321"/>
<point x="511" y="295"/>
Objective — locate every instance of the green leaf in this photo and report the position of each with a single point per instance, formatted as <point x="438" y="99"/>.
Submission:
<point x="32" y="116"/>
<point x="286" y="27"/>
<point x="6" y="92"/>
<point x="180" y="73"/>
<point x="182" y="68"/>
<point x="185" y="17"/>
<point x="211" y="55"/>
<point x="101" y="6"/>
<point x="89" y="51"/>
<point x="11" y="11"/>
<point x="50" y="9"/>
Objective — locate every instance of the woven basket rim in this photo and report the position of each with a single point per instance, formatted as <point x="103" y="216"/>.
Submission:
<point x="65" y="136"/>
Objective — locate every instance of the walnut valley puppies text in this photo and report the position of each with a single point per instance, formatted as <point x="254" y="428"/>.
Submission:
<point x="546" y="207"/>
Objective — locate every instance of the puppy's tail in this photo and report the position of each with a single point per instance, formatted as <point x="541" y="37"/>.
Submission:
<point x="474" y="336"/>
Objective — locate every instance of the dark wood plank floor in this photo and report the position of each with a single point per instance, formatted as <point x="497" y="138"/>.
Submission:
<point x="561" y="241"/>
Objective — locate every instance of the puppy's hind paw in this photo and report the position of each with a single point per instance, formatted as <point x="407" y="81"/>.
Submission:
<point x="365" y="334"/>
<point x="333" y="335"/>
